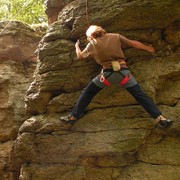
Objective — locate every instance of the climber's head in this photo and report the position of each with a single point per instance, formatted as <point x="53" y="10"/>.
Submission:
<point x="95" y="32"/>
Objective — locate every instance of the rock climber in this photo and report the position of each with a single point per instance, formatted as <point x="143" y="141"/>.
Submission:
<point x="106" y="49"/>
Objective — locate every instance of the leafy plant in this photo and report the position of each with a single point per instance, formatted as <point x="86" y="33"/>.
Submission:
<point x="29" y="11"/>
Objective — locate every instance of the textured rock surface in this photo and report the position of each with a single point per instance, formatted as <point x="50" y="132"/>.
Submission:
<point x="18" y="42"/>
<point x="17" y="64"/>
<point x="117" y="138"/>
<point x="53" y="7"/>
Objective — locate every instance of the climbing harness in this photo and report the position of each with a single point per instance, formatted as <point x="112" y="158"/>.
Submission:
<point x="125" y="79"/>
<point x="101" y="76"/>
<point x="105" y="81"/>
<point x="115" y="66"/>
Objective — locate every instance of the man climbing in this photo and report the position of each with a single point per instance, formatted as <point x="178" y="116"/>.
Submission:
<point x="106" y="48"/>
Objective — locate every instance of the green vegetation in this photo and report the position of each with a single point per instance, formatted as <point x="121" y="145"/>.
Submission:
<point x="29" y="11"/>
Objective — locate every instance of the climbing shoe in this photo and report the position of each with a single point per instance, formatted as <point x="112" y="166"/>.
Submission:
<point x="67" y="119"/>
<point x="165" y="123"/>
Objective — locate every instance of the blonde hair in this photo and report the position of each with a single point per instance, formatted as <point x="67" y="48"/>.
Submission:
<point x="95" y="31"/>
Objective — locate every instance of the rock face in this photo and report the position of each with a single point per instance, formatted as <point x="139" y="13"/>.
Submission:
<point x="117" y="139"/>
<point x="18" y="42"/>
<point x="17" y="64"/>
<point x="53" y="7"/>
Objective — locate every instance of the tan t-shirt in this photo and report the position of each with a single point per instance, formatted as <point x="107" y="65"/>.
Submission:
<point x="106" y="48"/>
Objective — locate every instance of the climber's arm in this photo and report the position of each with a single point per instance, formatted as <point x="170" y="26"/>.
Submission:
<point x="139" y="45"/>
<point x="78" y="50"/>
<point x="136" y="44"/>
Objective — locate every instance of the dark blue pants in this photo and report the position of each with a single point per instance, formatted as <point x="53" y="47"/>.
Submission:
<point x="92" y="89"/>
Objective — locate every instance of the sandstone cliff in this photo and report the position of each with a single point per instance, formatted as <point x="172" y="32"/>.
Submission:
<point x="117" y="138"/>
<point x="17" y="63"/>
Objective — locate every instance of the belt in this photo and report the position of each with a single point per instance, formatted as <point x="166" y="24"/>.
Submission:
<point x="123" y="66"/>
